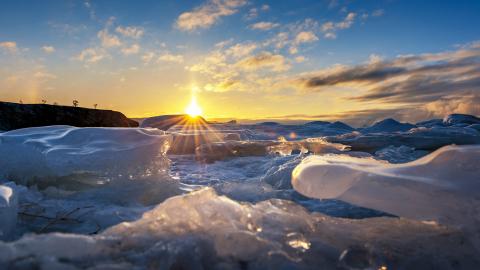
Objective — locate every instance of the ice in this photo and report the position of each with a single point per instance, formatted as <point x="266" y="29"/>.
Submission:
<point x="187" y="143"/>
<point x="399" y="154"/>
<point x="228" y="149"/>
<point x="388" y="125"/>
<point x="8" y="209"/>
<point x="441" y="186"/>
<point x="421" y="138"/>
<point x="49" y="153"/>
<point x="202" y="230"/>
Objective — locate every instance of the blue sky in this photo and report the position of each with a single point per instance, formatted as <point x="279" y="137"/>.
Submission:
<point x="243" y="59"/>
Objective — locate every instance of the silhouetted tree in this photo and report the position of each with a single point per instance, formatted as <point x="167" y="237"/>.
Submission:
<point x="21" y="101"/>
<point x="95" y="106"/>
<point x="44" y="101"/>
<point x="55" y="103"/>
<point x="75" y="103"/>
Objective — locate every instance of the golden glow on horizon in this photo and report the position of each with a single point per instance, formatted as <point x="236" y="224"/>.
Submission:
<point x="193" y="109"/>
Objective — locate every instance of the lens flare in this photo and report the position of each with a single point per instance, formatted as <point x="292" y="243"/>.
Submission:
<point x="193" y="109"/>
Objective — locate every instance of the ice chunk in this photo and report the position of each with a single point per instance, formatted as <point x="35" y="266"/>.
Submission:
<point x="202" y="230"/>
<point x="8" y="210"/>
<point x="388" y="125"/>
<point x="442" y="186"/>
<point x="399" y="154"/>
<point x="421" y="138"/>
<point x="454" y="119"/>
<point x="187" y="143"/>
<point x="58" y="151"/>
<point x="221" y="150"/>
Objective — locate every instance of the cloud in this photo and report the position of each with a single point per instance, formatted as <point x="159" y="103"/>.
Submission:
<point x="91" y="55"/>
<point x="44" y="76"/>
<point x="264" y="26"/>
<point x="148" y="57"/>
<point x="48" y="49"/>
<point x="9" y="46"/>
<point x="305" y="37"/>
<point x="208" y="14"/>
<point x="108" y="40"/>
<point x="241" y="49"/>
<point x="431" y="81"/>
<point x="378" y="13"/>
<point x="330" y="28"/>
<point x="274" y="62"/>
<point x="130" y="31"/>
<point x="174" y="58"/>
<point x="253" y="12"/>
<point x="134" y="49"/>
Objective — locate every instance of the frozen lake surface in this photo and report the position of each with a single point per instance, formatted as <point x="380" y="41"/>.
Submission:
<point x="226" y="196"/>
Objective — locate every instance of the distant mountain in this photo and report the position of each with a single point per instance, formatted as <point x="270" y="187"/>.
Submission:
<point x="388" y="125"/>
<point x="15" y="116"/>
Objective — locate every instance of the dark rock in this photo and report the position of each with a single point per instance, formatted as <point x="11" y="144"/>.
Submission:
<point x="164" y="122"/>
<point x="15" y="116"/>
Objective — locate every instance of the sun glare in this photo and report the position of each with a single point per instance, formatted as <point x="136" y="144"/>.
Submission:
<point x="193" y="109"/>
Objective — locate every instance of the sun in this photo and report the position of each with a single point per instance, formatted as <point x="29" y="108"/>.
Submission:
<point x="193" y="110"/>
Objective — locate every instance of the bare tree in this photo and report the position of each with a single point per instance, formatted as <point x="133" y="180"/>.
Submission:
<point x="55" y="103"/>
<point x="44" y="101"/>
<point x="21" y="101"/>
<point x="95" y="106"/>
<point x="75" y="103"/>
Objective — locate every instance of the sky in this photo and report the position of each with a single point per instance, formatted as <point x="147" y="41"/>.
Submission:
<point x="356" y="61"/>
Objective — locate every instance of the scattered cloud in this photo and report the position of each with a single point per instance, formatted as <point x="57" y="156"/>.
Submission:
<point x="264" y="26"/>
<point x="148" y="57"/>
<point x="91" y="55"/>
<point x="305" y="37"/>
<point x="134" y="49"/>
<point x="274" y="62"/>
<point x="330" y="28"/>
<point x="254" y="12"/>
<point x="48" y="49"/>
<point x="108" y="40"/>
<point x="9" y="46"/>
<point x="378" y="13"/>
<point x="241" y="49"/>
<point x="208" y="14"/>
<point x="174" y="58"/>
<point x="130" y="31"/>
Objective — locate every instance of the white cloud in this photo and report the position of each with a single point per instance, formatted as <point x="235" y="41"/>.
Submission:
<point x="130" y="31"/>
<point x="208" y="14"/>
<point x="134" y="49"/>
<point x="330" y="28"/>
<point x="241" y="49"/>
<point x="378" y="13"/>
<point x="91" y="55"/>
<point x="108" y="40"/>
<point x="300" y="59"/>
<point x="330" y="35"/>
<point x="9" y="46"/>
<point x="48" y="49"/>
<point x="41" y="75"/>
<point x="174" y="58"/>
<point x="305" y="37"/>
<point x="264" y="26"/>
<point x="274" y="62"/>
<point x="147" y="57"/>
